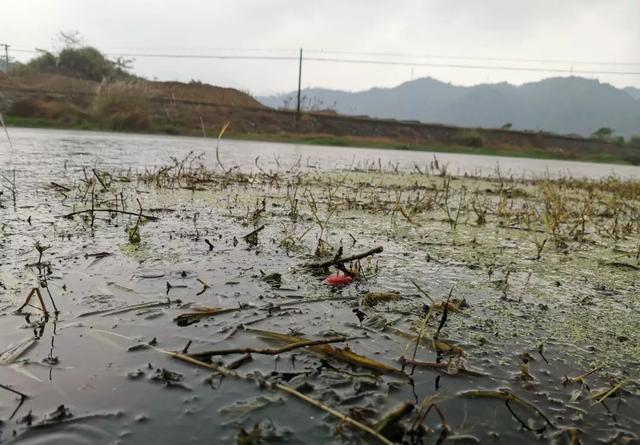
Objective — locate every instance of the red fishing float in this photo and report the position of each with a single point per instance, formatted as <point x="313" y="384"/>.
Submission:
<point x="338" y="280"/>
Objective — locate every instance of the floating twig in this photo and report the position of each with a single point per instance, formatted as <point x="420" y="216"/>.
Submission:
<point x="505" y="394"/>
<point x="128" y="308"/>
<point x="14" y="352"/>
<point x="580" y="378"/>
<point x="444" y="366"/>
<point x="394" y="416"/>
<point x="341" y="260"/>
<point x="268" y="351"/>
<point x="122" y="212"/>
<point x="325" y="350"/>
<point x="231" y="373"/>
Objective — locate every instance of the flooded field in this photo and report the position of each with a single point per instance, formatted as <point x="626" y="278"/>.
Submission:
<point x="287" y="294"/>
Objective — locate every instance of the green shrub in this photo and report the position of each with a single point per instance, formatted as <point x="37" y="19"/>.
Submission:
<point x="44" y="63"/>
<point x="84" y="63"/>
<point x="603" y="133"/>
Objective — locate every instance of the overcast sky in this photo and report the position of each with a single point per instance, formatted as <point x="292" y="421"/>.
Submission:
<point x="565" y="30"/>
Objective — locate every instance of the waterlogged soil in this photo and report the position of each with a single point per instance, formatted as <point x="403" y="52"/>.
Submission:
<point x="540" y="281"/>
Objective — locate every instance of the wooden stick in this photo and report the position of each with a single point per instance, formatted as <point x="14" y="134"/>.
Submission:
<point x="258" y="230"/>
<point x="267" y="351"/>
<point x="505" y="394"/>
<point x="287" y="389"/>
<point x="339" y="261"/>
<point x="230" y="373"/>
<point x="394" y="416"/>
<point x="35" y="291"/>
<point x="122" y="212"/>
<point x="443" y="367"/>
<point x="267" y="308"/>
<point x="5" y="387"/>
<point x="339" y="415"/>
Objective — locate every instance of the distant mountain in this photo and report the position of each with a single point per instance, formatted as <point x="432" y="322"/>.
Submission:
<point x="562" y="105"/>
<point x="635" y="92"/>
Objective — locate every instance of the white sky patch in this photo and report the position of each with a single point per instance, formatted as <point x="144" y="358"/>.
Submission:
<point x="568" y="31"/>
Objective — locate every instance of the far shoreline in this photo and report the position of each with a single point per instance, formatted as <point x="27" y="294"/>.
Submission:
<point x="331" y="140"/>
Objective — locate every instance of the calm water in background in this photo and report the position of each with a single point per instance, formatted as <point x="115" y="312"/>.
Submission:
<point x="47" y="151"/>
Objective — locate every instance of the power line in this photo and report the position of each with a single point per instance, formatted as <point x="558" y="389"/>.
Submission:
<point x="376" y="62"/>
<point x="201" y="56"/>
<point x="489" y="59"/>
<point x="32" y="51"/>
<point x="476" y="67"/>
<point x="357" y="53"/>
<point x="368" y="62"/>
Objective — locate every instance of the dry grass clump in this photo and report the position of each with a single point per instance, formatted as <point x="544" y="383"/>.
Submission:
<point x="123" y="105"/>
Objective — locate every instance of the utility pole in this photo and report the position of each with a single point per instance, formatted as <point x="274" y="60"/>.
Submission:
<point x="299" y="83"/>
<point x="6" y="55"/>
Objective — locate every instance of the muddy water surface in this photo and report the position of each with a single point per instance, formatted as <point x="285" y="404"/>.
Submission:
<point x="502" y="367"/>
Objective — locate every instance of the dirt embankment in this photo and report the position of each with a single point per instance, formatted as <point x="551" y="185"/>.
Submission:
<point x="179" y="108"/>
<point x="56" y="87"/>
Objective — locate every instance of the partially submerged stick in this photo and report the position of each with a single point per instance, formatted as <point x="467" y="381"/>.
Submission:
<point x="506" y="395"/>
<point x="14" y="352"/>
<point x="22" y="396"/>
<point x="604" y="394"/>
<point x="342" y="260"/>
<point x="122" y="212"/>
<point x="35" y="292"/>
<point x="205" y="355"/>
<point x="343" y="417"/>
<point x="580" y="378"/>
<point x="252" y="237"/>
<point x="228" y="372"/>
<point x="231" y="373"/>
<point x="443" y="366"/>
<point x="344" y="355"/>
<point x="195" y="316"/>
<point x="127" y="308"/>
<point x="7" y="388"/>
<point x="394" y="416"/>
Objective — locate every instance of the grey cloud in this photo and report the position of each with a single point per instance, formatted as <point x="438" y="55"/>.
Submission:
<point x="550" y="29"/>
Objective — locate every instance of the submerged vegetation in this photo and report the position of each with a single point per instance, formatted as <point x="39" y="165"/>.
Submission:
<point x="475" y="308"/>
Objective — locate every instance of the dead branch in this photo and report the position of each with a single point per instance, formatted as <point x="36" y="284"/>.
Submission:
<point x="122" y="212"/>
<point x="341" y="260"/>
<point x="267" y="351"/>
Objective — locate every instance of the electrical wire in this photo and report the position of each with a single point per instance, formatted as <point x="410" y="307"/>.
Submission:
<point x="404" y="63"/>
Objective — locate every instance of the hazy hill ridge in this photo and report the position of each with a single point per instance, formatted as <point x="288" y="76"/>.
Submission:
<point x="561" y="105"/>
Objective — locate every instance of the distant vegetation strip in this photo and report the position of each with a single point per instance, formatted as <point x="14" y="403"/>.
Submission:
<point x="325" y="140"/>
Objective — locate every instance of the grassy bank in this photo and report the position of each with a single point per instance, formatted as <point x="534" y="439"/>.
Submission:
<point x="349" y="141"/>
<point x="329" y="140"/>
